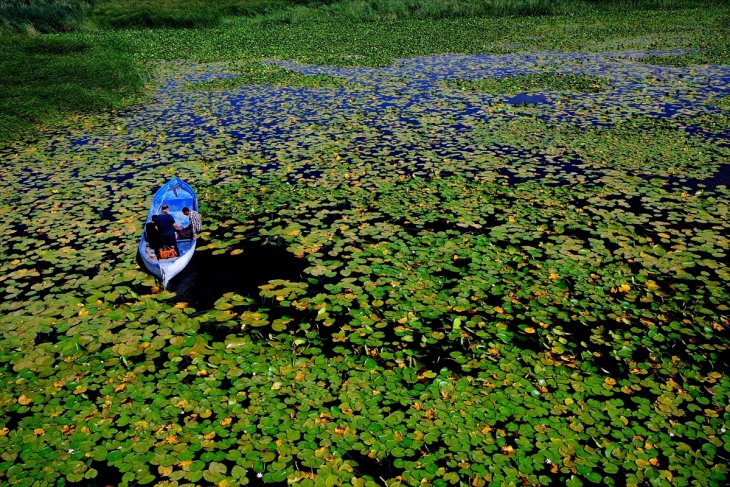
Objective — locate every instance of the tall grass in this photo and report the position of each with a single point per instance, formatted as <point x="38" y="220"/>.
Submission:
<point x="369" y="10"/>
<point x="654" y="4"/>
<point x="64" y="15"/>
<point x="183" y="13"/>
<point x="376" y="10"/>
<point x="389" y="10"/>
<point x="157" y="13"/>
<point x="45" y="79"/>
<point x="40" y="16"/>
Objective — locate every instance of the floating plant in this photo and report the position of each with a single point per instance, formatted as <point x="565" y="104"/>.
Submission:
<point x="404" y="281"/>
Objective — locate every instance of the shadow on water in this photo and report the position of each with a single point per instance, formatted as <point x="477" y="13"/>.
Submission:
<point x="207" y="277"/>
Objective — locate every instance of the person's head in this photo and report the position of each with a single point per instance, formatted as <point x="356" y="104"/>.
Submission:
<point x="186" y="210"/>
<point x="154" y="218"/>
<point x="165" y="209"/>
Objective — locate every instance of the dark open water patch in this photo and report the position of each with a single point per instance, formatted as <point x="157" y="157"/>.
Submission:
<point x="207" y="277"/>
<point x="106" y="474"/>
<point x="720" y="178"/>
<point x="372" y="467"/>
<point x="527" y="99"/>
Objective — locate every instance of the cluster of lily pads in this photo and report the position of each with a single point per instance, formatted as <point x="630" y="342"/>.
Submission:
<point x="480" y="289"/>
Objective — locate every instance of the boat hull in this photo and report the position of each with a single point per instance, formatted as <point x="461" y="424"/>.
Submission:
<point x="165" y="269"/>
<point x="176" y="194"/>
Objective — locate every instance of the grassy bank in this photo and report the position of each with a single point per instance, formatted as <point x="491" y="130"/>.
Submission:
<point x="46" y="79"/>
<point x="202" y="13"/>
<point x="177" y="14"/>
<point x="66" y="15"/>
<point x="32" y="17"/>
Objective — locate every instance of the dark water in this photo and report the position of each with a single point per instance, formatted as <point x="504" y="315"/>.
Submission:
<point x="527" y="99"/>
<point x="207" y="277"/>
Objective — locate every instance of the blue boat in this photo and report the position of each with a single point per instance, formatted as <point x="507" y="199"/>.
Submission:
<point x="176" y="194"/>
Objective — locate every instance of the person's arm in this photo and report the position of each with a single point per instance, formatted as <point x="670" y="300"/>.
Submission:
<point x="197" y="223"/>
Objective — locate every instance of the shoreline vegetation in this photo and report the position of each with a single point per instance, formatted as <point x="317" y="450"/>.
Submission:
<point x="61" y="58"/>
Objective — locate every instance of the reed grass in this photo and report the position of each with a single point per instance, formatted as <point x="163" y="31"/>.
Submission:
<point x="43" y="80"/>
<point x="41" y="16"/>
<point x="371" y="10"/>
<point x="182" y="14"/>
<point x="390" y="10"/>
<point x="157" y="13"/>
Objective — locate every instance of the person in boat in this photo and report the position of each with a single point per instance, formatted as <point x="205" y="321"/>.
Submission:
<point x="166" y="226"/>
<point x="196" y="224"/>
<point x="152" y="234"/>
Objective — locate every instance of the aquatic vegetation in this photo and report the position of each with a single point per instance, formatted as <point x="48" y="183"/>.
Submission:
<point x="249" y="73"/>
<point x="533" y="82"/>
<point x="403" y="282"/>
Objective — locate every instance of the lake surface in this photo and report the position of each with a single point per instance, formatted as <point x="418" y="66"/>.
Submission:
<point x="385" y="266"/>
